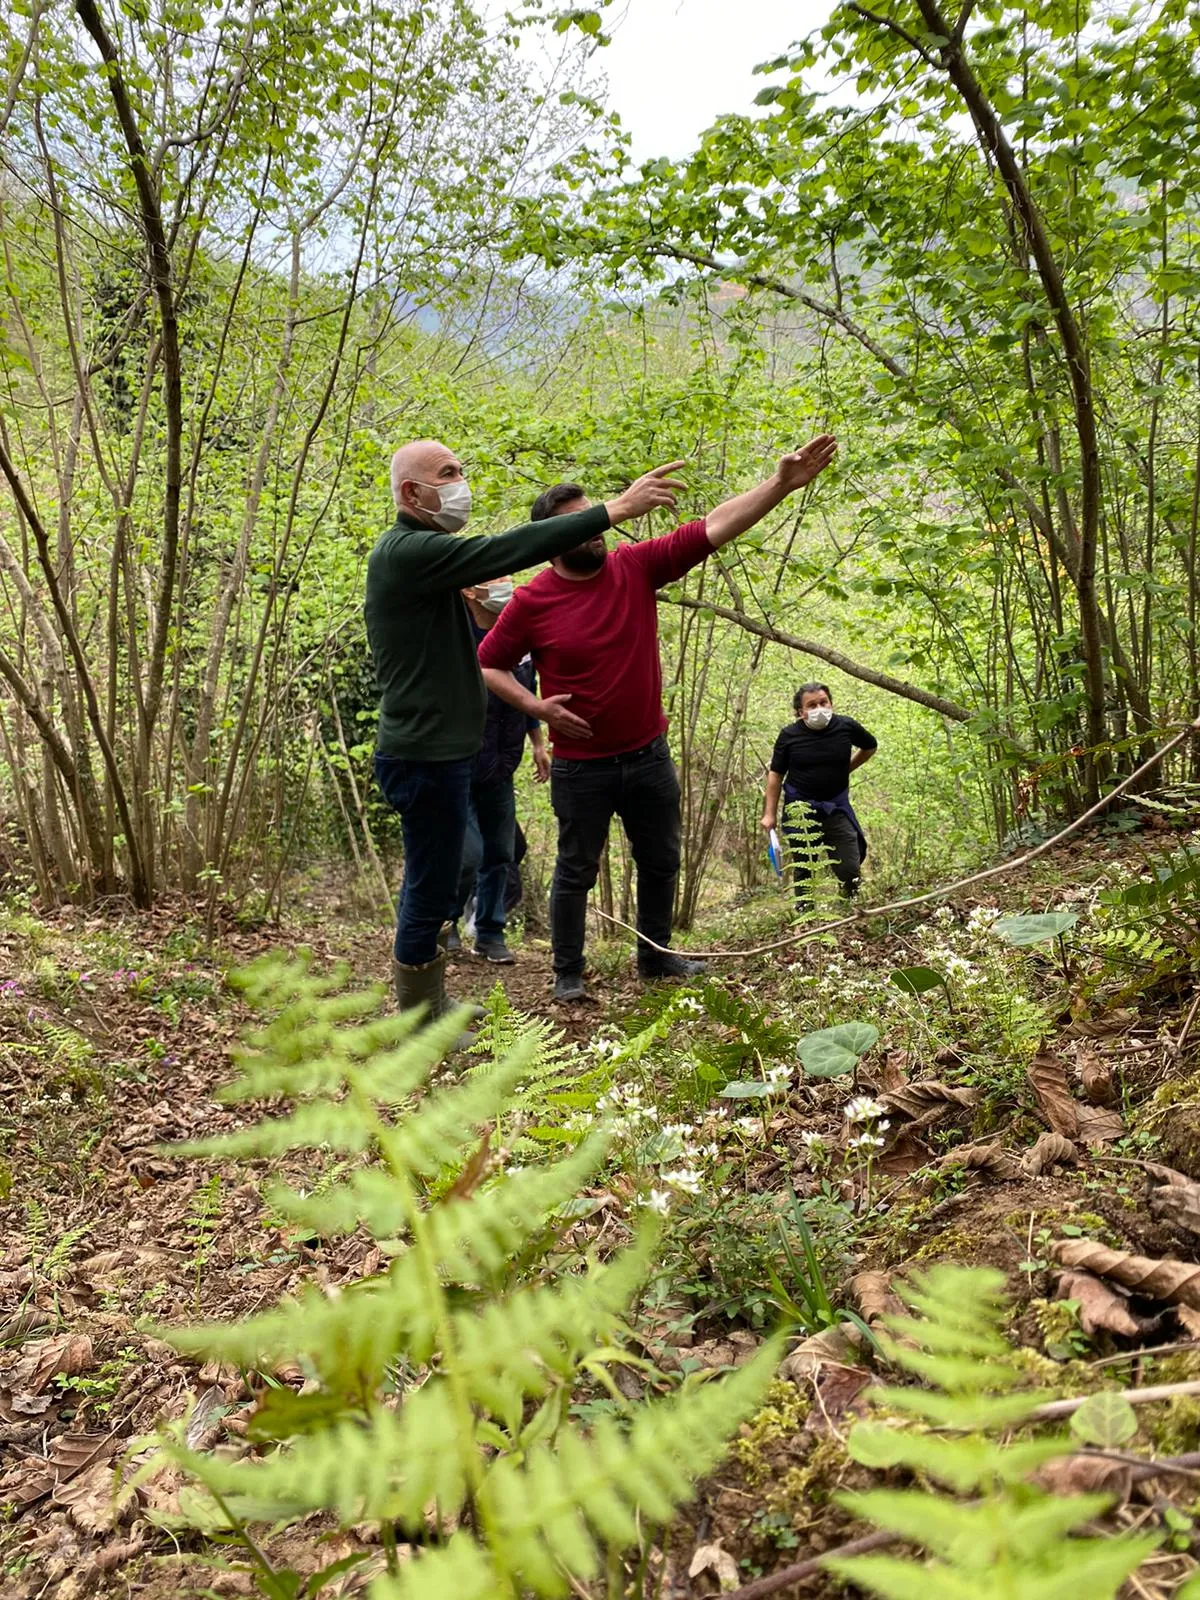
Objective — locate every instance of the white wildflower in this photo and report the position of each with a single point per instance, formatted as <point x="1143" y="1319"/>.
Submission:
<point x="683" y="1178"/>
<point x="657" y="1200"/>
<point x="812" y="1141"/>
<point x="864" y="1109"/>
<point x="748" y="1124"/>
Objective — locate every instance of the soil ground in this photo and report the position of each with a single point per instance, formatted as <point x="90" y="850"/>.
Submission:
<point x="115" y="1032"/>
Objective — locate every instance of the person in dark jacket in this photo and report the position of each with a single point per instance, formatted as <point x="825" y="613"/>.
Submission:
<point x="432" y="700"/>
<point x="810" y="768"/>
<point x="490" y="846"/>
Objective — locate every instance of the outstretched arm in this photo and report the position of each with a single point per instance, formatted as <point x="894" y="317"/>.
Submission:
<point x="552" y="711"/>
<point x="793" y="472"/>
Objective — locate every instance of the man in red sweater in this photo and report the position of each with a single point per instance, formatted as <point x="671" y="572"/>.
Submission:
<point x="590" y="623"/>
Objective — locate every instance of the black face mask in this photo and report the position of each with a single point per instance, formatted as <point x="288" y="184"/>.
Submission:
<point x="583" y="559"/>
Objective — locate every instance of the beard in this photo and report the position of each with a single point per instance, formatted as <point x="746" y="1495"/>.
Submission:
<point x="585" y="558"/>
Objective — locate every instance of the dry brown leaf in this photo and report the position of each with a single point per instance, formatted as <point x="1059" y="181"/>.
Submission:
<point x="1048" y="1077"/>
<point x="1085" y="1474"/>
<point x="1099" y="1082"/>
<point x="836" y="1389"/>
<point x="905" y="1155"/>
<point x="1101" y="1027"/>
<point x="89" y="1499"/>
<point x="950" y="1055"/>
<point x="990" y="1159"/>
<point x="1050" y="1149"/>
<point x="1177" y="1204"/>
<point x="892" y="1074"/>
<point x="915" y="1099"/>
<point x="473" y="1173"/>
<point x="873" y="1293"/>
<point x="1161" y="1174"/>
<point x="71" y="1453"/>
<point x="1098" y="1125"/>
<point x="1188" y="1320"/>
<point x="716" y="1559"/>
<point x="837" y="1345"/>
<point x="1100" y="1308"/>
<point x="1176" y="1282"/>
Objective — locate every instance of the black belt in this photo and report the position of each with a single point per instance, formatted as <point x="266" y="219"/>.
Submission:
<point x="625" y="755"/>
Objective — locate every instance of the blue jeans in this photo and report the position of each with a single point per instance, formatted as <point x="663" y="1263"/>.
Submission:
<point x="487" y="856"/>
<point x="432" y="798"/>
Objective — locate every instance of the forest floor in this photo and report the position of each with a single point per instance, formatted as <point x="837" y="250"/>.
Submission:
<point x="116" y="1029"/>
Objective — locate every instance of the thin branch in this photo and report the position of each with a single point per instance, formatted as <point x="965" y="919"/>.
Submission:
<point x="1187" y="732"/>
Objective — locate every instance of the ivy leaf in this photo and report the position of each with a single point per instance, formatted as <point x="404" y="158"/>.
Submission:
<point x="745" y="1090"/>
<point x="1105" y="1419"/>
<point x="1036" y="927"/>
<point x="917" y="980"/>
<point x="832" y="1052"/>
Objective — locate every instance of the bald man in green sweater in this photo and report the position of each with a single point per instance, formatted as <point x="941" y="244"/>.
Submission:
<point x="432" y="700"/>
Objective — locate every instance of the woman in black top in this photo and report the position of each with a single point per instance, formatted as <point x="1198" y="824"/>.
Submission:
<point x="810" y="769"/>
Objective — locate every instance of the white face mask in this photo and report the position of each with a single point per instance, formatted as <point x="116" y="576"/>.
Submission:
<point x="817" y="717"/>
<point x="454" y="501"/>
<point x="499" y="593"/>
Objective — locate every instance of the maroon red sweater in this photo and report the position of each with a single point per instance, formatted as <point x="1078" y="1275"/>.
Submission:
<point x="596" y="639"/>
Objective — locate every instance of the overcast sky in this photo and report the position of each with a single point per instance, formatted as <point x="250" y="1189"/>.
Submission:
<point x="675" y="65"/>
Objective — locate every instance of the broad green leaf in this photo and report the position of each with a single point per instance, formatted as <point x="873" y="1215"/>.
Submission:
<point x="1035" y="927"/>
<point x="832" y="1052"/>
<point x="1105" y="1419"/>
<point x="917" y="980"/>
<point x="746" y="1090"/>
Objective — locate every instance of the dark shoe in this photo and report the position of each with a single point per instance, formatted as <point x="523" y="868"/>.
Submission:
<point x="569" y="986"/>
<point x="495" y="951"/>
<point x="655" y="967"/>
<point x="425" y="985"/>
<point x="450" y="939"/>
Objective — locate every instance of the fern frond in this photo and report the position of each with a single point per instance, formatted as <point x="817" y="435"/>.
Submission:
<point x="506" y="1350"/>
<point x="318" y="1124"/>
<point x="432" y="1138"/>
<point x="389" y="1468"/>
<point x="459" y="1571"/>
<point x="349" y="1340"/>
<point x="971" y="1462"/>
<point x="549" y="1511"/>
<point x="481" y="1233"/>
<point x="1012" y="1543"/>
<point x="970" y="1535"/>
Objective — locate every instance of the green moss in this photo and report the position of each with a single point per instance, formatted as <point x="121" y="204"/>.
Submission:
<point x="960" y="1245"/>
<point x="803" y="1490"/>
<point x="1174" y="1429"/>
<point x="779" y="1420"/>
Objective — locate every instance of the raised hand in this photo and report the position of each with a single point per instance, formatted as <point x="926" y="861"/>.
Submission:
<point x="652" y="489"/>
<point x="802" y="466"/>
<point x="553" y="711"/>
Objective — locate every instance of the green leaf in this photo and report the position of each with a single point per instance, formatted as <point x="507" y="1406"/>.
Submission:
<point x="746" y="1090"/>
<point x="1035" y="927"/>
<point x="832" y="1052"/>
<point x="1105" y="1419"/>
<point x="917" y="980"/>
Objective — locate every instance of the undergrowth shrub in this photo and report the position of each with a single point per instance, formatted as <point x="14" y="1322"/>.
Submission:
<point x="1009" y="1540"/>
<point x="440" y="1402"/>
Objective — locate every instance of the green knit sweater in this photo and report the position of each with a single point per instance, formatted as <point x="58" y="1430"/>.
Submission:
<point x="432" y="699"/>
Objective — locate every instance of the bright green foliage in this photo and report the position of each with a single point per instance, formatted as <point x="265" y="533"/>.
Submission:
<point x="445" y="1383"/>
<point x="1035" y="927"/>
<point x="1011" y="1541"/>
<point x="831" y="1052"/>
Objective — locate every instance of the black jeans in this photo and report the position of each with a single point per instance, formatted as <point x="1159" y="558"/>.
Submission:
<point x="643" y="790"/>
<point x="836" y="832"/>
<point x="432" y="798"/>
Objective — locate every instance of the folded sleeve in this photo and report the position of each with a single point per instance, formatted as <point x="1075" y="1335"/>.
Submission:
<point x="666" y="559"/>
<point x="859" y="736"/>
